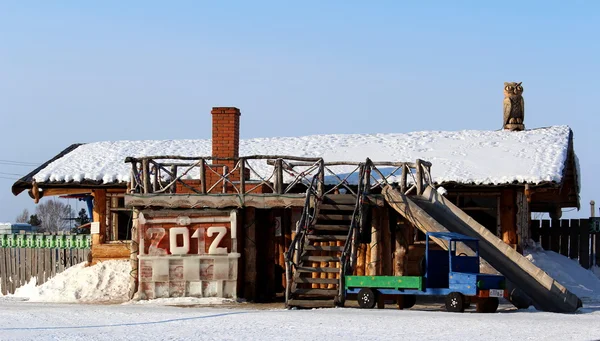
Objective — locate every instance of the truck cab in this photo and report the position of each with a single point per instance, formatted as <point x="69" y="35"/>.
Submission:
<point x="452" y="272"/>
<point x="456" y="271"/>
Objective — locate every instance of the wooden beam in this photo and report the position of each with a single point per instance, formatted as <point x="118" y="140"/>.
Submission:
<point x="99" y="215"/>
<point x="67" y="191"/>
<point x="111" y="251"/>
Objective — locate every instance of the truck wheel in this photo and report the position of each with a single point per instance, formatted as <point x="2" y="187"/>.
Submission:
<point x="407" y="301"/>
<point x="487" y="305"/>
<point x="366" y="298"/>
<point x="455" y="302"/>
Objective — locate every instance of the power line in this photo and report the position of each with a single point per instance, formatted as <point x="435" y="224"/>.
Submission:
<point x="13" y="161"/>
<point x="19" y="175"/>
<point x="7" y="178"/>
<point x="18" y="163"/>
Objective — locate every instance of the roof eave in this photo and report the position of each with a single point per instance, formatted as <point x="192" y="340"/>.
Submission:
<point x="26" y="182"/>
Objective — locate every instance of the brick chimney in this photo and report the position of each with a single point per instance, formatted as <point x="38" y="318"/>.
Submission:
<point x="225" y="144"/>
<point x="225" y="133"/>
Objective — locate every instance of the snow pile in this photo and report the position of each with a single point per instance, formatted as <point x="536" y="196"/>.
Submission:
<point x="185" y="301"/>
<point x="581" y="282"/>
<point x="468" y="156"/>
<point x="105" y="281"/>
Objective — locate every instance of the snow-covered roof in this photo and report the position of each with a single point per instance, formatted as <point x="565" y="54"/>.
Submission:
<point x="468" y="156"/>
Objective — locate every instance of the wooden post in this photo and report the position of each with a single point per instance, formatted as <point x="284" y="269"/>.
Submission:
<point x="203" y="176"/>
<point x="419" y="177"/>
<point x="99" y="215"/>
<point x="584" y="243"/>
<point x="375" y="246"/>
<point x="564" y="237"/>
<point x="555" y="235"/>
<point x="146" y="176"/>
<point x="574" y="239"/>
<point x="3" y="272"/>
<point x="545" y="234"/>
<point x="386" y="242"/>
<point x="135" y="177"/>
<point x="368" y="267"/>
<point x="279" y="176"/>
<point x="404" y="177"/>
<point x="400" y="250"/>
<point x="360" y="260"/>
<point x="133" y="257"/>
<point x="321" y="184"/>
<point x="250" y="253"/>
<point x="156" y="180"/>
<point x="242" y="162"/>
<point x="508" y="217"/>
<point x="173" y="177"/>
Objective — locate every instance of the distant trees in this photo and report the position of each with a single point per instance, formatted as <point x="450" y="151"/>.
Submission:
<point x="54" y="216"/>
<point x="23" y="217"/>
<point x="34" y="220"/>
<point x="82" y="219"/>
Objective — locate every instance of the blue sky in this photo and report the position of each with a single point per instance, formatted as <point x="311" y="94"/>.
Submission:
<point x="74" y="71"/>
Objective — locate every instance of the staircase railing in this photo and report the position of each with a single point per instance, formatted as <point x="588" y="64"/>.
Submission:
<point x="307" y="219"/>
<point x="348" y="256"/>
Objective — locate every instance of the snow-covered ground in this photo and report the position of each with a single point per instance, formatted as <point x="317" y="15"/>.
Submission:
<point x="46" y="321"/>
<point x="31" y="315"/>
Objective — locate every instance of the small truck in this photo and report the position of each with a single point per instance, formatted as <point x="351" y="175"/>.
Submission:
<point x="453" y="273"/>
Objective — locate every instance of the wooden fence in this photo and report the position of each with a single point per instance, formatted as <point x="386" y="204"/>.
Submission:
<point x="575" y="238"/>
<point x="24" y="256"/>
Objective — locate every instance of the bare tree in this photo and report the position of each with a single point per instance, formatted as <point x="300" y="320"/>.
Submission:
<point x="54" y="215"/>
<point x="23" y="217"/>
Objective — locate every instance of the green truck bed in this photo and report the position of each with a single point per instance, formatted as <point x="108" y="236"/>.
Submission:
<point x="387" y="282"/>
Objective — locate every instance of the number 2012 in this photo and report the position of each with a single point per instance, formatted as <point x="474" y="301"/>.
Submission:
<point x="156" y="235"/>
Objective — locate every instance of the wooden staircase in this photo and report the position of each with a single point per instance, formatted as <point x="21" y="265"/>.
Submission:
<point x="316" y="282"/>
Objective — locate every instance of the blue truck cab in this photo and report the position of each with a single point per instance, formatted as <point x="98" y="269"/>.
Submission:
<point x="452" y="272"/>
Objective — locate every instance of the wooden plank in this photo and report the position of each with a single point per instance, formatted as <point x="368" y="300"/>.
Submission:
<point x="555" y="235"/>
<point x="3" y="272"/>
<point x="40" y="265"/>
<point x="535" y="230"/>
<point x="574" y="239"/>
<point x="584" y="243"/>
<point x="61" y="261"/>
<point x="564" y="237"/>
<point x="597" y="249"/>
<point x="112" y="250"/>
<point x="14" y="271"/>
<point x="22" y="266"/>
<point x="47" y="264"/>
<point x="219" y="201"/>
<point x="545" y="234"/>
<point x="53" y="262"/>
<point x="592" y="248"/>
<point x="28" y="260"/>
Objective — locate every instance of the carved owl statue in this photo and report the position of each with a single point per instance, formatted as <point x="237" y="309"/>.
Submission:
<point x="514" y="106"/>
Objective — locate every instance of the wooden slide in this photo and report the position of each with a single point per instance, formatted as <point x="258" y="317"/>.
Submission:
<point x="431" y="212"/>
